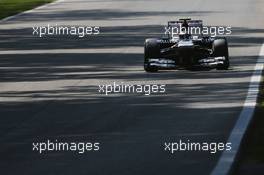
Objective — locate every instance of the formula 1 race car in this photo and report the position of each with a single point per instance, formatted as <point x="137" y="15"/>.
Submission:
<point x="185" y="49"/>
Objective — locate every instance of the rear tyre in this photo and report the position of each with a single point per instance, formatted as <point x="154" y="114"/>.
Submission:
<point x="152" y="50"/>
<point x="220" y="48"/>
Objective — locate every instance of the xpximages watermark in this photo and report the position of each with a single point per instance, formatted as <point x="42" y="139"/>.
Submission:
<point x="53" y="146"/>
<point x="146" y="89"/>
<point x="213" y="31"/>
<point x="181" y="146"/>
<point x="80" y="31"/>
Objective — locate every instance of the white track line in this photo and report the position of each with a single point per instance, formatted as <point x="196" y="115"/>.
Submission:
<point x="71" y="51"/>
<point x="227" y="158"/>
<point x="29" y="11"/>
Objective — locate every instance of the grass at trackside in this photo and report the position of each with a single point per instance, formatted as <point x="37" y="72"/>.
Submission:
<point x="12" y="7"/>
<point x="252" y="152"/>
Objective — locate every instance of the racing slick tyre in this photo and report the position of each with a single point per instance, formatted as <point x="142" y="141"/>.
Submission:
<point x="220" y="48"/>
<point x="151" y="50"/>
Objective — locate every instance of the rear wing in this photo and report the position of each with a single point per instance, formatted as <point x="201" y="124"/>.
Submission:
<point x="194" y="27"/>
<point x="191" y="23"/>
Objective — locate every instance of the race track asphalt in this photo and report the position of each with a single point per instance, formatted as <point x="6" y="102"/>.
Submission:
<point x="49" y="88"/>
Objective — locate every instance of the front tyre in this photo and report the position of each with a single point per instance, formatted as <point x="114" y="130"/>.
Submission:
<point x="151" y="51"/>
<point x="220" y="48"/>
